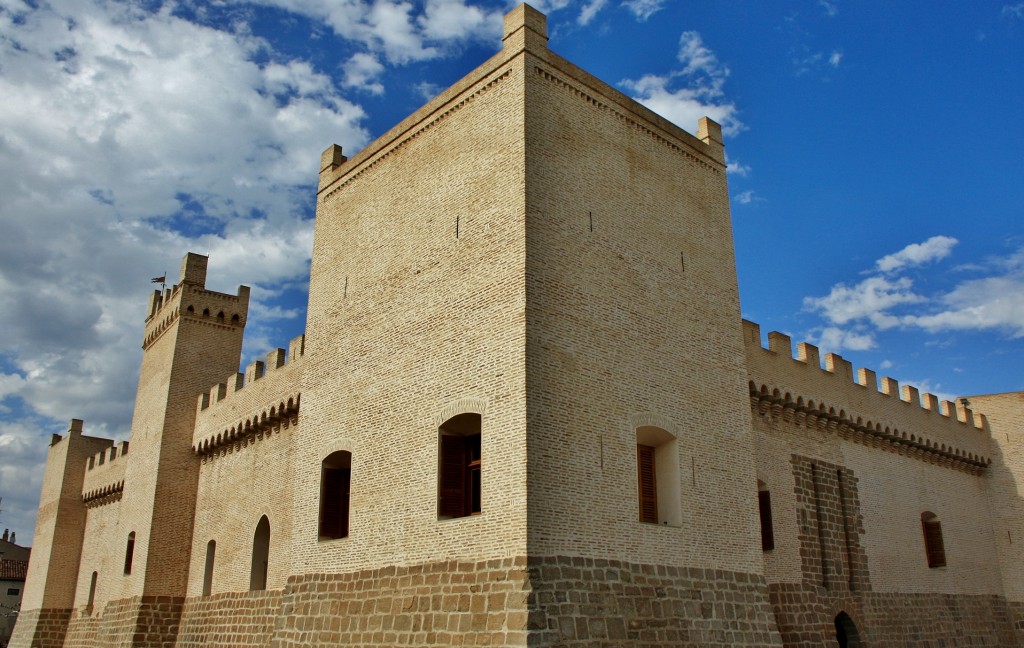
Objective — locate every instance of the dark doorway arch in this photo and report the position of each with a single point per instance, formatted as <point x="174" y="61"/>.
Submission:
<point x="846" y="631"/>
<point x="260" y="555"/>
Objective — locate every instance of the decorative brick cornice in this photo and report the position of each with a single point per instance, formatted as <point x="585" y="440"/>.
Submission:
<point x="626" y="119"/>
<point x="104" y="495"/>
<point x="772" y="405"/>
<point x="253" y="428"/>
<point x="423" y="127"/>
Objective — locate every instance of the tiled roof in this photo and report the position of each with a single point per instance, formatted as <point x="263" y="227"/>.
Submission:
<point x="13" y="569"/>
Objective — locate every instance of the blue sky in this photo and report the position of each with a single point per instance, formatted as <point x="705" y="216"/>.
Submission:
<point x="876" y="170"/>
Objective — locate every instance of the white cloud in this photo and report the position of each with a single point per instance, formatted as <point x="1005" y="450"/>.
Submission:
<point x="114" y="121"/>
<point x="916" y="254"/>
<point x="394" y="28"/>
<point x="590" y="10"/>
<point x="835" y="58"/>
<point x="643" y="9"/>
<point x="835" y="339"/>
<point x="453" y="20"/>
<point x="994" y="301"/>
<point x="735" y="167"/>
<point x="23" y="446"/>
<point x="989" y="303"/>
<point x="363" y="71"/>
<point x="701" y="78"/>
<point x="868" y="300"/>
<point x="745" y="197"/>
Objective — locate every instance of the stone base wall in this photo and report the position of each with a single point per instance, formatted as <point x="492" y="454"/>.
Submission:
<point x="45" y="628"/>
<point x="806" y="617"/>
<point x="143" y="622"/>
<point x="1017" y="618"/>
<point x="592" y="602"/>
<point x="235" y="619"/>
<point x="438" y="604"/>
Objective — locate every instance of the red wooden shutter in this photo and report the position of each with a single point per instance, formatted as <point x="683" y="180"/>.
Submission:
<point x="764" y="503"/>
<point x="646" y="484"/>
<point x="933" y="543"/>
<point x="453" y="476"/>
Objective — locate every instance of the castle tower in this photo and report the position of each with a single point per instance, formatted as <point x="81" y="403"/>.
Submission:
<point x="56" y="548"/>
<point x="193" y="339"/>
<point x="537" y="271"/>
<point x="127" y="520"/>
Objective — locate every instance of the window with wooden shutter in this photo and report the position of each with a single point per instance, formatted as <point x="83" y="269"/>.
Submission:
<point x="933" y="547"/>
<point x="764" y="504"/>
<point x="335" y="485"/>
<point x="647" y="486"/>
<point x="460" y="467"/>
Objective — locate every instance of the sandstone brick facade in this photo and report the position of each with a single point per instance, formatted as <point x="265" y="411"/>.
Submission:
<point x="537" y="264"/>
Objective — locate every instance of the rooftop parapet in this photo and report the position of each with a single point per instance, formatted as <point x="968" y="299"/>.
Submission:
<point x="190" y="299"/>
<point x="801" y="384"/>
<point x="525" y="31"/>
<point x="266" y="389"/>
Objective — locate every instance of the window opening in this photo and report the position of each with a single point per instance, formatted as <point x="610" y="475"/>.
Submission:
<point x="129" y="553"/>
<point x="92" y="593"/>
<point x="335" y="486"/>
<point x="764" y="505"/>
<point x="647" y="483"/>
<point x="933" y="545"/>
<point x="460" y="480"/>
<point x="659" y="495"/>
<point x="260" y="555"/>
<point x="211" y="552"/>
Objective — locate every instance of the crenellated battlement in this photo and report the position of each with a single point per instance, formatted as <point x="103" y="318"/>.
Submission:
<point x="799" y="388"/>
<point x="191" y="301"/>
<point x="104" y="474"/>
<point x="264" y="396"/>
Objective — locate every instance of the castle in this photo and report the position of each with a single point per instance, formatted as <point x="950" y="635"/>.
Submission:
<point x="525" y="412"/>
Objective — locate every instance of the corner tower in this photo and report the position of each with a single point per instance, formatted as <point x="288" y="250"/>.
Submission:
<point x="535" y="249"/>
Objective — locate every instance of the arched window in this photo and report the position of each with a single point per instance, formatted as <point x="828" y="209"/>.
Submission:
<point x="335" y="482"/>
<point x="211" y="552"/>
<point x="260" y="555"/>
<point x="459" y="466"/>
<point x="657" y="476"/>
<point x="129" y="553"/>
<point x="933" y="547"/>
<point x="764" y="506"/>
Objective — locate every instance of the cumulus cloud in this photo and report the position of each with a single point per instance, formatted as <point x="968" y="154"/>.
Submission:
<point x="888" y="298"/>
<point x="394" y="29"/>
<point x="128" y="137"/>
<point x="836" y="339"/>
<point x="23" y="449"/>
<point x="363" y="71"/>
<point x="870" y="299"/>
<point x="735" y="167"/>
<point x="915" y="254"/>
<point x="692" y="91"/>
